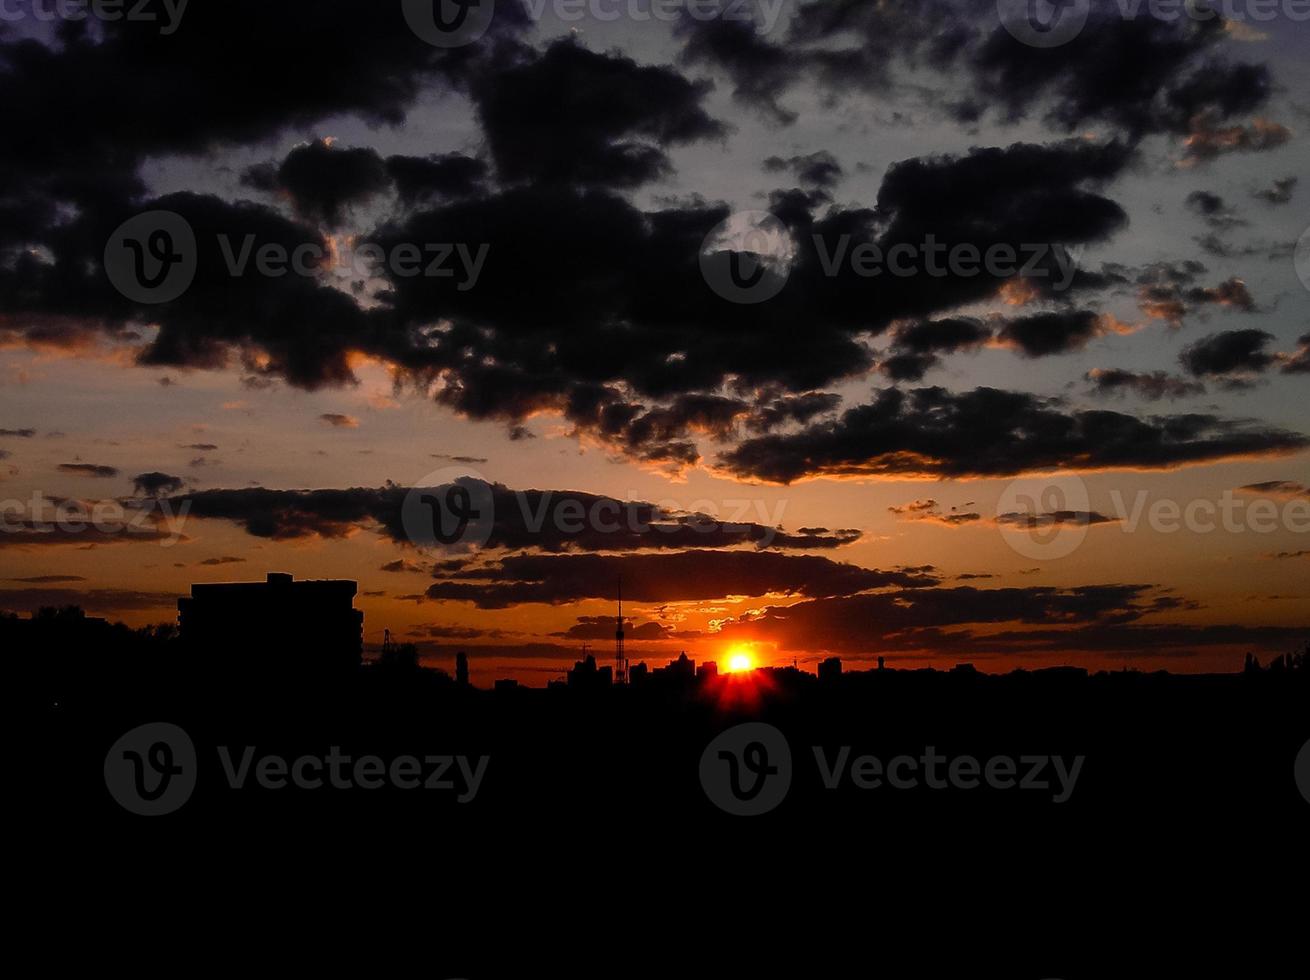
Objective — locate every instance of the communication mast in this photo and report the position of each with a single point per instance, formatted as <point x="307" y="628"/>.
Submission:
<point x="620" y="657"/>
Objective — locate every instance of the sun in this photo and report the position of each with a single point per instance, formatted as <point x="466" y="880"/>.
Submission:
<point x="740" y="660"/>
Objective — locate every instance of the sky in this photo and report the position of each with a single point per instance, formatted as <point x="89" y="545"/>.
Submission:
<point x="729" y="281"/>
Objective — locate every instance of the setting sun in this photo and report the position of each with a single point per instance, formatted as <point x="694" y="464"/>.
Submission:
<point x="740" y="660"/>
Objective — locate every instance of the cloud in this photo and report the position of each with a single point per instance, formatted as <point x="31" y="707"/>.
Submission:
<point x="1285" y="489"/>
<point x="1298" y="362"/>
<point x="677" y="577"/>
<point x="1152" y="385"/>
<point x="1208" y="141"/>
<point x="323" y="180"/>
<point x="17" y="433"/>
<point x="1214" y="209"/>
<point x="224" y="560"/>
<point x="1233" y="355"/>
<point x="47" y="579"/>
<point x="917" y="344"/>
<point x="1280" y="192"/>
<point x="540" y="520"/>
<point x="986" y="432"/>
<point x="1045" y="334"/>
<point x="92" y="600"/>
<point x="156" y="484"/>
<point x="818" y="169"/>
<point x="930" y="511"/>
<point x="403" y="565"/>
<point x="88" y="469"/>
<point x="956" y="621"/>
<point x="339" y="421"/>
<point x="602" y="628"/>
<point x="574" y="116"/>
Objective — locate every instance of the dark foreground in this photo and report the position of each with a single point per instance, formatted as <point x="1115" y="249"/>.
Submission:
<point x="1056" y="801"/>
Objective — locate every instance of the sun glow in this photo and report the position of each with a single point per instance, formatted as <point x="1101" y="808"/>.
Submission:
<point x="740" y="660"/>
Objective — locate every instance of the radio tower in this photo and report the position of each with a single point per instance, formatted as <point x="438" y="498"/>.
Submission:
<point x="620" y="658"/>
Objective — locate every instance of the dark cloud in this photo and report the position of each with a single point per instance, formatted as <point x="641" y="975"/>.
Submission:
<point x="1286" y="489"/>
<point x="88" y="469"/>
<point x="677" y="577"/>
<point x="1044" y="334"/>
<point x="1140" y="74"/>
<point x="1217" y="212"/>
<point x="1299" y="361"/>
<point x="1055" y="518"/>
<point x="916" y="345"/>
<point x="761" y="71"/>
<point x="191" y="92"/>
<point x="602" y="628"/>
<point x="339" y="421"/>
<point x="931" y="512"/>
<point x="1231" y="354"/>
<point x="1280" y="192"/>
<point x="1152" y="385"/>
<point x="323" y="180"/>
<point x="17" y="433"/>
<point x="575" y="116"/>
<point x="919" y="618"/>
<point x="449" y="175"/>
<point x="548" y="521"/>
<point x="155" y="483"/>
<point x="223" y="560"/>
<point x="92" y="600"/>
<point x="403" y="565"/>
<point x="47" y="579"/>
<point x="932" y="432"/>
<point x="1169" y="292"/>
<point x="819" y="169"/>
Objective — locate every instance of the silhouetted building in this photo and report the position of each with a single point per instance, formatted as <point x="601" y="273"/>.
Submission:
<point x="707" y="670"/>
<point x="461" y="670"/>
<point x="882" y="663"/>
<point x="638" y="673"/>
<point x="830" y="669"/>
<point x="680" y="669"/>
<point x="586" y="676"/>
<point x="278" y="624"/>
